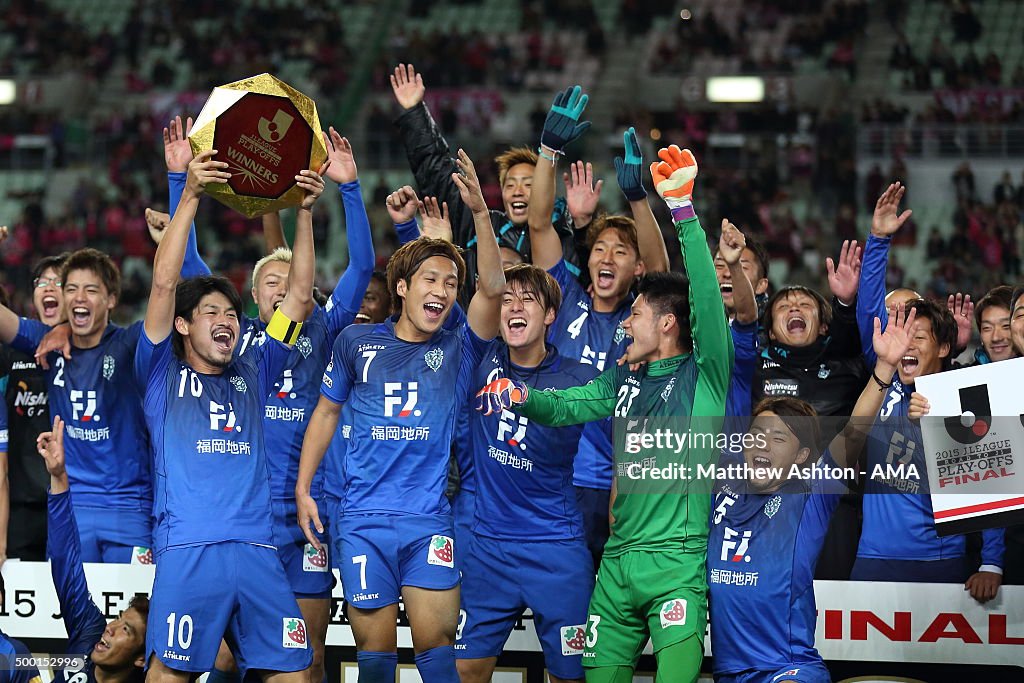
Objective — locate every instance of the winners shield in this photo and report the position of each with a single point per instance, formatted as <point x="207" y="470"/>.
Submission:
<point x="267" y="132"/>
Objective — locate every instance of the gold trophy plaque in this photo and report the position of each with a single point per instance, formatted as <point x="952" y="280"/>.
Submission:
<point x="267" y="132"/>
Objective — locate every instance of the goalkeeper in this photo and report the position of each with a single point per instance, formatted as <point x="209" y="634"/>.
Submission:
<point x="651" y="583"/>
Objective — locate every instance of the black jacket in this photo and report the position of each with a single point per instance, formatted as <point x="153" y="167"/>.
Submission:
<point x="432" y="165"/>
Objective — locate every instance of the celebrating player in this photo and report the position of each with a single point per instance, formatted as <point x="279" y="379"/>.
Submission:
<point x="652" y="578"/>
<point x="527" y="547"/>
<point x="217" y="572"/>
<point x="774" y="526"/>
<point x="116" y="651"/>
<point x="108" y="445"/>
<point x="397" y="388"/>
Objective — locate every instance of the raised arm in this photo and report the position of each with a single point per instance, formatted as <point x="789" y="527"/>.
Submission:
<point x="430" y="159"/>
<point x="171" y="253"/>
<point x="843" y="280"/>
<point x="561" y="127"/>
<point x="177" y="155"/>
<point x="273" y="232"/>
<point x="885" y="222"/>
<point x="628" y="172"/>
<point x="348" y="293"/>
<point x="298" y="304"/>
<point x="485" y="307"/>
<point x="82" y="618"/>
<point x="673" y="178"/>
<point x="731" y="246"/>
<point x="888" y="347"/>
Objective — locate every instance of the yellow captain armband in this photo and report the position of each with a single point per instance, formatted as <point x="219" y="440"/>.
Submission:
<point x="282" y="329"/>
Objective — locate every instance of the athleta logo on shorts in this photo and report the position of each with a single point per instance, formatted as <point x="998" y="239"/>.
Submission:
<point x="142" y="555"/>
<point x="673" y="613"/>
<point x="791" y="672"/>
<point x="573" y="640"/>
<point x="314" y="560"/>
<point x="294" y="633"/>
<point x="441" y="552"/>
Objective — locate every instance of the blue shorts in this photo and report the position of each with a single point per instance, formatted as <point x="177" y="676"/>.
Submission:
<point x="502" y="578"/>
<point x="236" y="591"/>
<point x="378" y="554"/>
<point x="115" y="535"/>
<point x="308" y="570"/>
<point x="803" y="673"/>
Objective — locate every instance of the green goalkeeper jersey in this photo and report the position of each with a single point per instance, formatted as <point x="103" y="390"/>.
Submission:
<point x="683" y="394"/>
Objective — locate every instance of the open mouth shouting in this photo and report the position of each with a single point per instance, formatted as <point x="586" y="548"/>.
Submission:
<point x="223" y="339"/>
<point x="518" y="209"/>
<point x="103" y="645"/>
<point x="796" y="325"/>
<point x="80" y="316"/>
<point x="605" y="278"/>
<point x="909" y="365"/>
<point x="50" y="306"/>
<point x="434" y="311"/>
<point x="362" y="317"/>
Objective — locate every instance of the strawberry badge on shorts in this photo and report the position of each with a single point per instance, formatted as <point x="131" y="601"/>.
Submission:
<point x="573" y="640"/>
<point x="142" y="555"/>
<point x="441" y="552"/>
<point x="314" y="560"/>
<point x="673" y="613"/>
<point x="294" y="633"/>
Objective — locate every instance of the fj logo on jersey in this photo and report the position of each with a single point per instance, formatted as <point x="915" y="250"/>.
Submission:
<point x="83" y="406"/>
<point x="108" y="367"/>
<point x="221" y="420"/>
<point x="314" y="560"/>
<point x="304" y="346"/>
<point x="772" y="506"/>
<point x="573" y="640"/>
<point x="294" y="633"/>
<point x="238" y="383"/>
<point x="673" y="613"/>
<point x="434" y="358"/>
<point x="441" y="552"/>
<point x="512" y="429"/>
<point x="394" y="398"/>
<point x="735" y="550"/>
<point x="287" y="384"/>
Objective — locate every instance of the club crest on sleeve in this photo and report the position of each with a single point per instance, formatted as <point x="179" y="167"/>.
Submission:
<point x="441" y="552"/>
<point x="304" y="345"/>
<point x="238" y="383"/>
<point x="294" y="633"/>
<point x="772" y="506"/>
<point x="108" y="367"/>
<point x="573" y="640"/>
<point x="434" y="358"/>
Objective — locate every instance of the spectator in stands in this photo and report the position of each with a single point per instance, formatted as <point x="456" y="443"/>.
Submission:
<point x="966" y="26"/>
<point x="1005" y="191"/>
<point x="935" y="248"/>
<point x="963" y="181"/>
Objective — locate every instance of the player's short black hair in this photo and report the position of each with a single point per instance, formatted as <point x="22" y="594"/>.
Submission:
<point x="760" y="253"/>
<point x="97" y="262"/>
<point x="188" y="295"/>
<point x="998" y="297"/>
<point x="799" y="416"/>
<point x="55" y="262"/>
<point x="943" y="325"/>
<point x="824" y="307"/>
<point x="669" y="293"/>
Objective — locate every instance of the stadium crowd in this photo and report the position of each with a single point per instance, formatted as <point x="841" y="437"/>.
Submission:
<point x="508" y="329"/>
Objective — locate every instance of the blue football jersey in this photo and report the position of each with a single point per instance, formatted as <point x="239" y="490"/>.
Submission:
<point x="106" y="441"/>
<point x="400" y="402"/>
<point x="898" y="520"/>
<point x="524" y="470"/>
<point x="208" y="444"/>
<point x="295" y="393"/>
<point x="581" y="333"/>
<point x="762" y="550"/>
